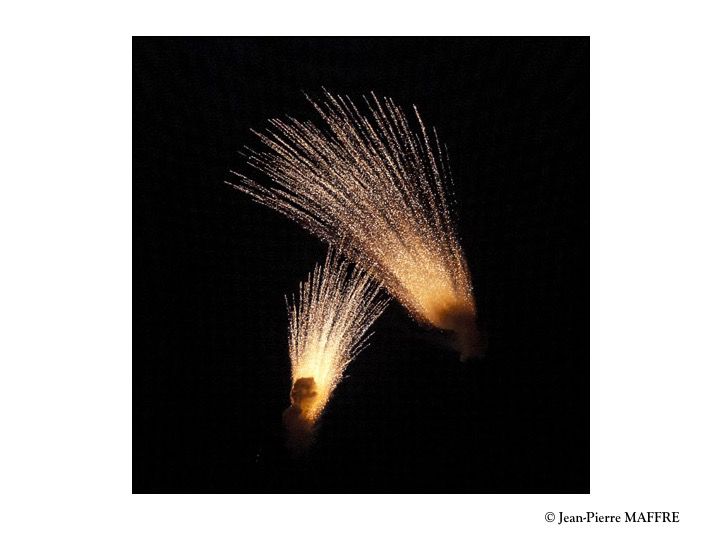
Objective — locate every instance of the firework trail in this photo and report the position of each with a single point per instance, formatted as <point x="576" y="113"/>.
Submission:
<point x="375" y="186"/>
<point x="328" y="327"/>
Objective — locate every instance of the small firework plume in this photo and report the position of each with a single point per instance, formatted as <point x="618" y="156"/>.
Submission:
<point x="375" y="187"/>
<point x="329" y="322"/>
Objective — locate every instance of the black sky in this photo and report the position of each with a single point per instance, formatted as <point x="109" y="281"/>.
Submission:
<point x="210" y="370"/>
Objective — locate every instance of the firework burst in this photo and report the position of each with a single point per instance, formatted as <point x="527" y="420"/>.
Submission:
<point x="375" y="187"/>
<point x="328" y="327"/>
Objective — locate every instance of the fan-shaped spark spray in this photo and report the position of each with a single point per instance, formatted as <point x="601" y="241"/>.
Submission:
<point x="375" y="186"/>
<point x="329" y="322"/>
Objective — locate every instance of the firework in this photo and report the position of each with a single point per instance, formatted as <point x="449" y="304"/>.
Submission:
<point x="375" y="187"/>
<point x="328" y="327"/>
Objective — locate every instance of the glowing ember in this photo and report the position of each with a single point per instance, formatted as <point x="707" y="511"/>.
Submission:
<point x="375" y="188"/>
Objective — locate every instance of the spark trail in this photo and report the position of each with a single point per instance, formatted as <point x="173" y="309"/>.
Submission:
<point x="375" y="187"/>
<point x="328" y="326"/>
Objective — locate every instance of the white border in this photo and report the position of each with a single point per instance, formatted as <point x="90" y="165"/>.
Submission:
<point x="65" y="224"/>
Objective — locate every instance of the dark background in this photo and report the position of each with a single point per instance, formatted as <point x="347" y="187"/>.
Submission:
<point x="211" y="375"/>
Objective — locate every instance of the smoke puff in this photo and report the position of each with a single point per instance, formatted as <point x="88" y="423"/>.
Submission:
<point x="297" y="418"/>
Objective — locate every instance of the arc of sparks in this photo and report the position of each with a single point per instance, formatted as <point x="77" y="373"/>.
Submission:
<point x="375" y="187"/>
<point x="328" y="327"/>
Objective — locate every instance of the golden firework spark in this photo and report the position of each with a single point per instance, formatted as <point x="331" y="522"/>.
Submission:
<point x="329" y="322"/>
<point x="375" y="187"/>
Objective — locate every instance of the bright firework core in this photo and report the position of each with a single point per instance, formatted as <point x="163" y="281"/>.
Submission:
<point x="375" y="187"/>
<point x="329" y="321"/>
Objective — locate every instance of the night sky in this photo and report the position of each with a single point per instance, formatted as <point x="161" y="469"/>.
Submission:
<point x="211" y="374"/>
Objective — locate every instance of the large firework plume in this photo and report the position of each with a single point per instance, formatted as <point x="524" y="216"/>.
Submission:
<point x="328" y="327"/>
<point x="375" y="187"/>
